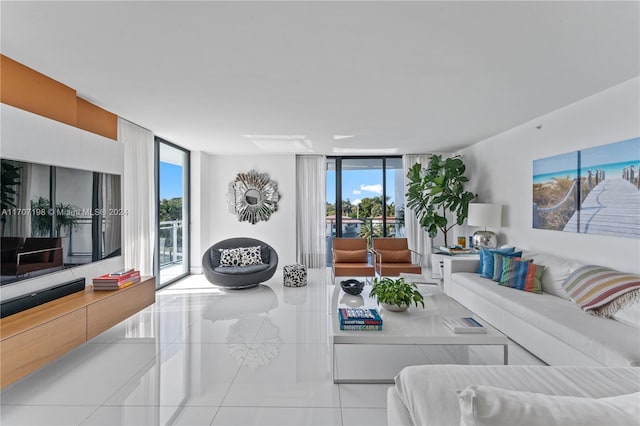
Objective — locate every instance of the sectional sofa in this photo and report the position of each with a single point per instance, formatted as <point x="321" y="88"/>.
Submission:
<point x="549" y="325"/>
<point x="593" y="375"/>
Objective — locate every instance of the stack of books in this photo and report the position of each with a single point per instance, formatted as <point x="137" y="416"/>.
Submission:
<point x="453" y="250"/>
<point x="359" y="319"/>
<point x="116" y="280"/>
<point x="464" y="325"/>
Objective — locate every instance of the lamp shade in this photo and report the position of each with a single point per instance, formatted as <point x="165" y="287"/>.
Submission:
<point x="484" y="215"/>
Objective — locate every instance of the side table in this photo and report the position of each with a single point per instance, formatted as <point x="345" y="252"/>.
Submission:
<point x="437" y="265"/>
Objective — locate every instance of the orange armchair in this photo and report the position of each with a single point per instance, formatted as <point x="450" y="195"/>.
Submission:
<point x="350" y="258"/>
<point x="392" y="256"/>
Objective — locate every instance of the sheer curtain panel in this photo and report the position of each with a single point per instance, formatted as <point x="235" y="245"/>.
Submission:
<point x="417" y="237"/>
<point x="139" y="197"/>
<point x="311" y="209"/>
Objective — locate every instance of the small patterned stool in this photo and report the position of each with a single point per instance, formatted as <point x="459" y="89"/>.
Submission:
<point x="295" y="275"/>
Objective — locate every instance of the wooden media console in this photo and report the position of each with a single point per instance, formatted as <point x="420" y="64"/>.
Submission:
<point x="33" y="338"/>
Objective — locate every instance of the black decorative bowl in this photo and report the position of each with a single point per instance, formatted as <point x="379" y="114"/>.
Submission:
<point x="353" y="287"/>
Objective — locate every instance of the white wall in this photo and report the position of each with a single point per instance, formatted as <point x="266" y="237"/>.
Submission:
<point x="500" y="171"/>
<point x="30" y="137"/>
<point x="217" y="172"/>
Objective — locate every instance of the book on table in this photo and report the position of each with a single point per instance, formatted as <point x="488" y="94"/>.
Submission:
<point x="359" y="317"/>
<point x="464" y="325"/>
<point x="453" y="250"/>
<point x="361" y="327"/>
<point x="116" y="282"/>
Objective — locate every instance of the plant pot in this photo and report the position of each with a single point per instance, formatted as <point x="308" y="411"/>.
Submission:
<point x="394" y="308"/>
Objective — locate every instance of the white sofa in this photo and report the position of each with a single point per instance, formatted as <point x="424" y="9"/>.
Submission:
<point x="427" y="395"/>
<point x="590" y="357"/>
<point x="549" y="325"/>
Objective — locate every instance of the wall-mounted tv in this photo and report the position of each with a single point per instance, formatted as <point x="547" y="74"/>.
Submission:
<point x="52" y="218"/>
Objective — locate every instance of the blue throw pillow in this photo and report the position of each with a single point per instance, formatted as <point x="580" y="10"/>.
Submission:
<point x="497" y="264"/>
<point x="486" y="260"/>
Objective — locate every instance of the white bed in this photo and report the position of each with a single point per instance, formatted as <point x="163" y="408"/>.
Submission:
<point x="426" y="395"/>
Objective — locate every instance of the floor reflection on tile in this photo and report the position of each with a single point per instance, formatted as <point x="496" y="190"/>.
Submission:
<point x="202" y="355"/>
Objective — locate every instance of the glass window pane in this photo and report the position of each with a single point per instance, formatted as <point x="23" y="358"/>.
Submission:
<point x="395" y="197"/>
<point x="362" y="206"/>
<point x="173" y="238"/>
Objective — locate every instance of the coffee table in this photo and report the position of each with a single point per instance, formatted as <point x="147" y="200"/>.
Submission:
<point x="417" y="326"/>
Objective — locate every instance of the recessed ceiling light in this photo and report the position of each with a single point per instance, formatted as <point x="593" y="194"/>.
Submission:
<point x="281" y="143"/>
<point x="339" y="137"/>
<point x="365" y="150"/>
<point x="275" y="137"/>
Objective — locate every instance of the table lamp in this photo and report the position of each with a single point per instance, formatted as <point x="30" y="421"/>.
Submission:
<point x="484" y="215"/>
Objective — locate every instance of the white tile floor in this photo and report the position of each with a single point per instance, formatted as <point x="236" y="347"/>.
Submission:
<point x="200" y="356"/>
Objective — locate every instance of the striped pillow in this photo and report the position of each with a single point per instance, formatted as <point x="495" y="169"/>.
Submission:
<point x="602" y="291"/>
<point x="521" y="274"/>
<point x="497" y="264"/>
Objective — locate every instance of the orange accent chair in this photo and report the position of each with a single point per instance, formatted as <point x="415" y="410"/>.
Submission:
<point x="393" y="256"/>
<point x="350" y="258"/>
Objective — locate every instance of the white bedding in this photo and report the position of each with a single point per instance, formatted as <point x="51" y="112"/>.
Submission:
<point x="426" y="395"/>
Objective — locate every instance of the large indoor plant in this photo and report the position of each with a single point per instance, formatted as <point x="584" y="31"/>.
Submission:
<point x="437" y="191"/>
<point x="396" y="294"/>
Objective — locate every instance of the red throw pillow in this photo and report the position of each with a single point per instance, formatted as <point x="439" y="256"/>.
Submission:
<point x="350" y="256"/>
<point x="395" y="256"/>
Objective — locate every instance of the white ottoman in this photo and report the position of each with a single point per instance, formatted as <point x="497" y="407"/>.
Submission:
<point x="295" y="275"/>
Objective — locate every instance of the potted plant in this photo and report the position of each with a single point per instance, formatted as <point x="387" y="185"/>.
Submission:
<point x="434" y="192"/>
<point x="396" y="294"/>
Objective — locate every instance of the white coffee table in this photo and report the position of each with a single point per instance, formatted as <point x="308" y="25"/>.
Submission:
<point x="417" y="326"/>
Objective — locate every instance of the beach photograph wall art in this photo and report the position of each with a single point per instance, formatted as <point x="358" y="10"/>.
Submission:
<point x="591" y="191"/>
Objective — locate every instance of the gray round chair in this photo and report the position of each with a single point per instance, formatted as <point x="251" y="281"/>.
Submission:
<point x="237" y="277"/>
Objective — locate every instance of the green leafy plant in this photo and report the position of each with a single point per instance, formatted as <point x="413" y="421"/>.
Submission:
<point x="396" y="292"/>
<point x="436" y="191"/>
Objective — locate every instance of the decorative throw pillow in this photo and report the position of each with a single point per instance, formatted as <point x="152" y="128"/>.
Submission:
<point x="602" y="291"/>
<point x="395" y="256"/>
<point x="250" y="256"/>
<point x="522" y="275"/>
<point x="350" y="256"/>
<point x="487" y="405"/>
<point x="497" y="264"/>
<point x="230" y="257"/>
<point x="486" y="259"/>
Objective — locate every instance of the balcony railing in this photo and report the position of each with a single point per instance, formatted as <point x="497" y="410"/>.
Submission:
<point x="170" y="243"/>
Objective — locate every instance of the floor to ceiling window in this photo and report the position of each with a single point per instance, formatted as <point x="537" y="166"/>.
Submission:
<point x="172" y="180"/>
<point x="368" y="193"/>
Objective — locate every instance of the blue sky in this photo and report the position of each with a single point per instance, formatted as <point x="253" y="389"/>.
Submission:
<point x="170" y="181"/>
<point x="618" y="152"/>
<point x="359" y="184"/>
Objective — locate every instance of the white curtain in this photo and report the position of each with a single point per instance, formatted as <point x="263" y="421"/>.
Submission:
<point x="311" y="209"/>
<point x="139" y="196"/>
<point x="417" y="237"/>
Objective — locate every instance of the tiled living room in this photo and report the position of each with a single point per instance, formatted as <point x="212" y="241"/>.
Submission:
<point x="198" y="198"/>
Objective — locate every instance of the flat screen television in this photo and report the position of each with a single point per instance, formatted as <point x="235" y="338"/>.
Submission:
<point x="52" y="218"/>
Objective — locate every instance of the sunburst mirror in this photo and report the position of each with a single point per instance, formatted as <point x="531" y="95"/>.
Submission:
<point x="253" y="196"/>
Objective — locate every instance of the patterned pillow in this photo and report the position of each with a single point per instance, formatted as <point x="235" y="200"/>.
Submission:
<point x="250" y="256"/>
<point x="522" y="275"/>
<point x="497" y="264"/>
<point x="230" y="257"/>
<point x="486" y="260"/>
<point x="602" y="291"/>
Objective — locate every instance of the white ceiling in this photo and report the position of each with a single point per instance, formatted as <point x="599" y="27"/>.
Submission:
<point x="403" y="77"/>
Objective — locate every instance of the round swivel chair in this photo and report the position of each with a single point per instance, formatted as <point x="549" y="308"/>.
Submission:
<point x="238" y="277"/>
